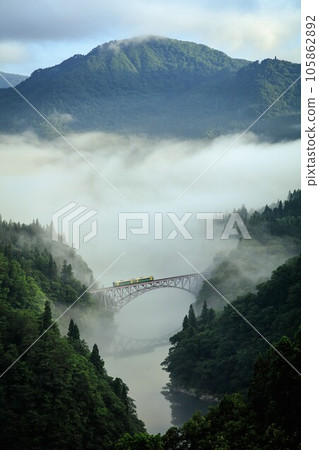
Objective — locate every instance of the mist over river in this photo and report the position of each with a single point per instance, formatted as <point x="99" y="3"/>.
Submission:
<point x="145" y="378"/>
<point x="42" y="177"/>
<point x="151" y="315"/>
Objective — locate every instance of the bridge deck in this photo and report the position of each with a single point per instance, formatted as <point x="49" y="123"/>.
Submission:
<point x="153" y="282"/>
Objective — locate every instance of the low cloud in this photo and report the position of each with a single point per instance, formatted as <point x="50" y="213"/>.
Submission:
<point x="13" y="52"/>
<point x="41" y="177"/>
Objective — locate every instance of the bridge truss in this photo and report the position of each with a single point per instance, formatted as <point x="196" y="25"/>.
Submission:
<point x="115" y="298"/>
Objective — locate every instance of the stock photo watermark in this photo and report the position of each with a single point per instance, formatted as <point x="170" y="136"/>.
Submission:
<point x="152" y="224"/>
<point x="68" y="221"/>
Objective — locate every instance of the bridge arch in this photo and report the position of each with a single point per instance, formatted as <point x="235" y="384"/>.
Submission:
<point x="115" y="298"/>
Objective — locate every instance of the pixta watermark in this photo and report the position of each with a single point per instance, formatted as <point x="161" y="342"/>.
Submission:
<point x="152" y="224"/>
<point x="68" y="221"/>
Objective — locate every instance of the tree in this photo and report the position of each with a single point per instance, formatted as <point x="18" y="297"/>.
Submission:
<point x="140" y="441"/>
<point x="185" y="323"/>
<point x="46" y="322"/>
<point x="73" y="332"/>
<point x="204" y="313"/>
<point x="66" y="272"/>
<point x="191" y="317"/>
<point x="97" y="361"/>
<point x="52" y="269"/>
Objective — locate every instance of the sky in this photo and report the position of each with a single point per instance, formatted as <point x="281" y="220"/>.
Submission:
<point x="42" y="33"/>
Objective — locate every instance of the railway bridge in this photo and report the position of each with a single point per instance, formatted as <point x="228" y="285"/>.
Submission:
<point x="116" y="297"/>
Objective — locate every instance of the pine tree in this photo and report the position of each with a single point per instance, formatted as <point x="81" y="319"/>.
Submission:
<point x="185" y="323"/>
<point x="73" y="332"/>
<point x="204" y="313"/>
<point x="191" y="317"/>
<point x="66" y="272"/>
<point x="46" y="319"/>
<point x="211" y="315"/>
<point x="96" y="360"/>
<point x="52" y="270"/>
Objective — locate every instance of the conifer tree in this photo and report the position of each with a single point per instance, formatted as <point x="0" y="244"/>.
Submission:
<point x="185" y="323"/>
<point x="204" y="313"/>
<point x="191" y="317"/>
<point x="46" y="319"/>
<point x="66" y="272"/>
<point x="96" y="360"/>
<point x="73" y="332"/>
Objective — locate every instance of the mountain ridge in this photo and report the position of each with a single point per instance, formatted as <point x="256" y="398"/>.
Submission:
<point x="160" y="87"/>
<point x="13" y="78"/>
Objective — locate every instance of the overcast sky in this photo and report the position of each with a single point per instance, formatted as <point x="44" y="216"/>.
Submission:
<point x="41" y="33"/>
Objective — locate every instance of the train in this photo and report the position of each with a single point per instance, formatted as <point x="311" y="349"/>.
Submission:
<point x="132" y="281"/>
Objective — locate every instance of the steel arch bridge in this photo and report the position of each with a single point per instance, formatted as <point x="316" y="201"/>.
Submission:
<point x="115" y="298"/>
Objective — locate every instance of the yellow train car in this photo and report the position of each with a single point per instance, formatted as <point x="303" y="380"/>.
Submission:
<point x="132" y="281"/>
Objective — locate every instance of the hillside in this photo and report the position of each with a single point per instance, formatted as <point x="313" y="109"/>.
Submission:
<point x="268" y="418"/>
<point x="58" y="395"/>
<point x="275" y="233"/>
<point x="159" y="87"/>
<point x="13" y="78"/>
<point x="215" y="354"/>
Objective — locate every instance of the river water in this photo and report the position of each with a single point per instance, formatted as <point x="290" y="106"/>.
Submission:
<point x="145" y="379"/>
<point x="152" y="315"/>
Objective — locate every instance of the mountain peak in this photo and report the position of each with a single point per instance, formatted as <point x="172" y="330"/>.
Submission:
<point x="157" y="86"/>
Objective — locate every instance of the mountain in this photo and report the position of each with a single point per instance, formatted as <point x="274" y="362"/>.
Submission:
<point x="55" y="393"/>
<point x="158" y="87"/>
<point x="276" y="234"/>
<point x="13" y="78"/>
<point x="215" y="354"/>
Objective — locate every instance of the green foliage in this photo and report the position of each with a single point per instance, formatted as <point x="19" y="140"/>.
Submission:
<point x="268" y="419"/>
<point x="58" y="394"/>
<point x="217" y="356"/>
<point x="96" y="360"/>
<point x="275" y="233"/>
<point x="161" y="87"/>
<point x="140" y="441"/>
<point x="56" y="397"/>
<point x="33" y="269"/>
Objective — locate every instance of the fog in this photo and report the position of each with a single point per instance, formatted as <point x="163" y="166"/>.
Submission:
<point x="40" y="177"/>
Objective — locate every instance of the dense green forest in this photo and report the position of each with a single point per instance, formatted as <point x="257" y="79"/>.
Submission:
<point x="219" y="355"/>
<point x="215" y="354"/>
<point x="158" y="87"/>
<point x="267" y="418"/>
<point x="275" y="232"/>
<point x="58" y="395"/>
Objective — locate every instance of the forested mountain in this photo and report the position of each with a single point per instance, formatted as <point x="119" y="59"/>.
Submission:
<point x="159" y="87"/>
<point x="275" y="232"/>
<point x="13" y="78"/>
<point x="58" y="395"/>
<point x="268" y="418"/>
<point x="215" y="354"/>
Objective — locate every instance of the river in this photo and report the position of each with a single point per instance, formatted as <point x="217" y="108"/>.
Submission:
<point x="151" y="315"/>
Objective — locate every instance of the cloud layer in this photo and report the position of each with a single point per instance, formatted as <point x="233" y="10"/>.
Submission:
<point x="252" y="30"/>
<point x="42" y="177"/>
